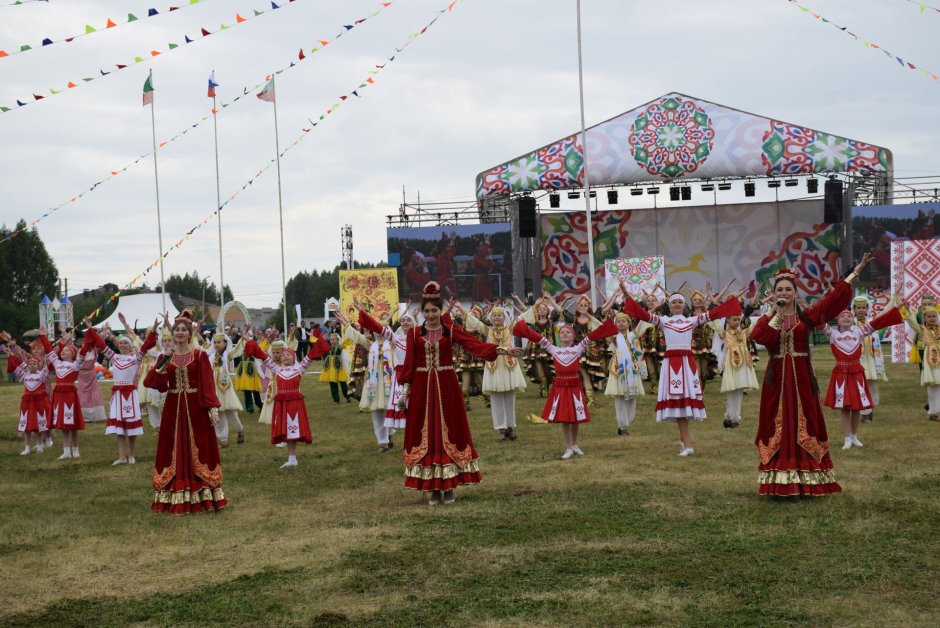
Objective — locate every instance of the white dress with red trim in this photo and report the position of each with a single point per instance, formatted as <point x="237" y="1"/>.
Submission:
<point x="680" y="392"/>
<point x="398" y="344"/>
<point x="66" y="407"/>
<point x="35" y="408"/>
<point x="124" y="415"/>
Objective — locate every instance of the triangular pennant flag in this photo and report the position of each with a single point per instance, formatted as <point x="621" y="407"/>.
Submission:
<point x="25" y="47"/>
<point x="46" y="42"/>
<point x="172" y="46"/>
<point x="120" y="66"/>
<point x="205" y="33"/>
<point x="301" y="55"/>
<point x="3" y="53"/>
<point x="38" y="97"/>
<point x="239" y="19"/>
<point x="257" y="12"/>
<point x="188" y="40"/>
<point x="90" y="29"/>
<point x="151" y="12"/>
<point x="131" y="18"/>
<point x="154" y="53"/>
<point x="110" y="24"/>
<point x="71" y="84"/>
<point x="274" y="6"/>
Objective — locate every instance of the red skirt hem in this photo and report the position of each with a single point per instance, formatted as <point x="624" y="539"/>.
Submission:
<point x="191" y="508"/>
<point x="793" y="490"/>
<point x="438" y="484"/>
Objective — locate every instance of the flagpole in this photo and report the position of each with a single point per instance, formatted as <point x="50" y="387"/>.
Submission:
<point x="218" y="201"/>
<point x="584" y="164"/>
<point x="156" y="181"/>
<point x="280" y="207"/>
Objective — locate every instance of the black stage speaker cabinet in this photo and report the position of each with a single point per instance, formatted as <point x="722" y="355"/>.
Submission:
<point x="832" y="212"/>
<point x="528" y="227"/>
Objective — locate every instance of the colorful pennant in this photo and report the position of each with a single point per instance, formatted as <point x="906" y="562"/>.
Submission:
<point x="205" y="221"/>
<point x="19" y="2"/>
<point x="89" y="29"/>
<point x="246" y="90"/>
<point x="139" y="59"/>
<point x="868" y="44"/>
<point x="923" y="7"/>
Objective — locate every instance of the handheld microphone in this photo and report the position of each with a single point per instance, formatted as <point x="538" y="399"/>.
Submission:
<point x="781" y="302"/>
<point x="162" y="361"/>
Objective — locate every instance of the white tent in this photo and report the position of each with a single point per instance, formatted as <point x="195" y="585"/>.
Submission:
<point x="142" y="308"/>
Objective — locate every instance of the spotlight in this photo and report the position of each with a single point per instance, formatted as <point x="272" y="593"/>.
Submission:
<point x="673" y="194"/>
<point x="636" y="192"/>
<point x="652" y="190"/>
<point x="749" y="188"/>
<point x="611" y="197"/>
<point x="724" y="186"/>
<point x="708" y="187"/>
<point x="791" y="183"/>
<point x="812" y="185"/>
<point x="554" y="200"/>
<point x="686" y="193"/>
<point x="773" y="183"/>
<point x="574" y="195"/>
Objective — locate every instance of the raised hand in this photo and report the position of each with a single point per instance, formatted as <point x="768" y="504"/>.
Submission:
<point x="861" y="265"/>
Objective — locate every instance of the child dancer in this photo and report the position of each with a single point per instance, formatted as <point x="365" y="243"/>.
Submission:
<point x="848" y="388"/>
<point x="290" y="423"/>
<point x="503" y="377"/>
<point x="928" y="336"/>
<point x="66" y="409"/>
<point x="735" y="365"/>
<point x="248" y="381"/>
<point x="35" y="408"/>
<point x="680" y="391"/>
<point x="538" y="361"/>
<point x="220" y="355"/>
<point x="334" y="371"/>
<point x="151" y="399"/>
<point x="377" y="385"/>
<point x="627" y="371"/>
<point x="567" y="401"/>
<point x="278" y="348"/>
<point x="873" y="360"/>
<point x="124" y="418"/>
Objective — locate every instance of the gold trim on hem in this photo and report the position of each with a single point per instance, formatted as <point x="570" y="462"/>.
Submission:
<point x="175" y="498"/>
<point x="806" y="478"/>
<point x="441" y="472"/>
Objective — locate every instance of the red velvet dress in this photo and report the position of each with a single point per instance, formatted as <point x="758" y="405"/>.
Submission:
<point x="791" y="436"/>
<point x="187" y="476"/>
<point x="438" y="449"/>
<point x="35" y="408"/>
<point x="566" y="402"/>
<point x="848" y="388"/>
<point x="289" y="420"/>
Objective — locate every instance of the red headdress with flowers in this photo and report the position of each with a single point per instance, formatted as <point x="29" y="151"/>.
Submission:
<point x="431" y="293"/>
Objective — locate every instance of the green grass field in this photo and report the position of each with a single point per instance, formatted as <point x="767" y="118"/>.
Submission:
<point x="630" y="534"/>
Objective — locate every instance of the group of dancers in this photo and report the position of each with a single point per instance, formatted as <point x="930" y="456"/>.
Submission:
<point x="417" y="378"/>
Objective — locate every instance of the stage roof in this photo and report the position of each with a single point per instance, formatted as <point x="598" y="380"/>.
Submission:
<point x="142" y="308"/>
<point x="678" y="136"/>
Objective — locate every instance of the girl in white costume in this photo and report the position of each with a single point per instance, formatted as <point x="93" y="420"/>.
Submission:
<point x="377" y="380"/>
<point x="503" y="378"/>
<point x="221" y="354"/>
<point x="267" y="407"/>
<point x="873" y="360"/>
<point x="679" y="397"/>
<point x="151" y="400"/>
<point x="627" y="371"/>
<point x="731" y="347"/>
<point x="929" y="333"/>
<point x="124" y="418"/>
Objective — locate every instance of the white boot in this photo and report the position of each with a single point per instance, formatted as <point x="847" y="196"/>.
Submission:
<point x="291" y="462"/>
<point x="75" y="452"/>
<point x="848" y="443"/>
<point x="66" y="454"/>
<point x="568" y="453"/>
<point x="25" y="451"/>
<point x="856" y="442"/>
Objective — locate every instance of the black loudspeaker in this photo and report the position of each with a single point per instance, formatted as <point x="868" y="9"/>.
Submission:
<point x="528" y="227"/>
<point x="832" y="209"/>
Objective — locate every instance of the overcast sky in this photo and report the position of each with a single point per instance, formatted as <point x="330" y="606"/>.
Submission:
<point x="489" y="81"/>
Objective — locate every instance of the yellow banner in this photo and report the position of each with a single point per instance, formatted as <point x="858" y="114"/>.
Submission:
<point x="376" y="288"/>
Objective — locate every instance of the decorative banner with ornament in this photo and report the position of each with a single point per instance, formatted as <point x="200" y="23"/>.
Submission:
<point x="639" y="274"/>
<point x="376" y="289"/>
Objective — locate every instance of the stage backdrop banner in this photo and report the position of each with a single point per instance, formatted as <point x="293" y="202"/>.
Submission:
<point x="748" y="242"/>
<point x="468" y="261"/>
<point x="915" y="270"/>
<point x="875" y="227"/>
<point x="639" y="274"/>
<point x="377" y="289"/>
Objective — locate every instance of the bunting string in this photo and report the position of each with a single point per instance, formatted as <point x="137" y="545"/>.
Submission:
<point x="370" y="81"/>
<point x="923" y="7"/>
<point x="19" y="2"/>
<point x="22" y="102"/>
<point x="322" y="43"/>
<point x="90" y="30"/>
<point x="904" y="63"/>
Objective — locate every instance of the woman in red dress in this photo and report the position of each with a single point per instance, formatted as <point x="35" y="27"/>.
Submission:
<point x="187" y="476"/>
<point x="791" y="434"/>
<point x="438" y="450"/>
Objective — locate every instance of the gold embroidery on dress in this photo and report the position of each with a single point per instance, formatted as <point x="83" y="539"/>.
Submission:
<point x="501" y="336"/>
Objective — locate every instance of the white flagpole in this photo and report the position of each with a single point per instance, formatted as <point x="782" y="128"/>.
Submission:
<point x="587" y="183"/>
<point x="218" y="201"/>
<point x="156" y="180"/>
<point x="280" y="207"/>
